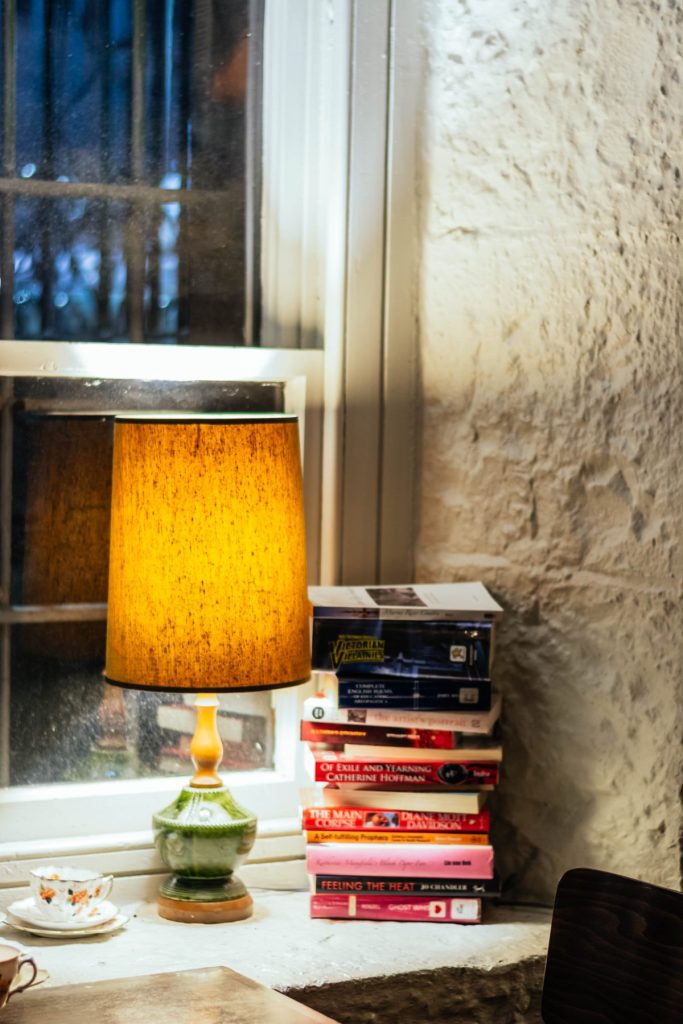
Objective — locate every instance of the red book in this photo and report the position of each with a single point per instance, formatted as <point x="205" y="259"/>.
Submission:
<point x="397" y="908"/>
<point x="370" y="772"/>
<point x="398" y="859"/>
<point x="339" y="733"/>
<point x="358" y="818"/>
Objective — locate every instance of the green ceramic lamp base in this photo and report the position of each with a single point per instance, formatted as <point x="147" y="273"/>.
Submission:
<point x="203" y="836"/>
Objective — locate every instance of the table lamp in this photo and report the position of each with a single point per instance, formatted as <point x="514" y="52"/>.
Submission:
<point x="207" y="593"/>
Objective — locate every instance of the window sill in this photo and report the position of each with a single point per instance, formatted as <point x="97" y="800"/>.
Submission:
<point x="358" y="971"/>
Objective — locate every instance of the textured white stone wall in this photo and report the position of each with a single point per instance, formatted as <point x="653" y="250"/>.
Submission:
<point x="550" y="321"/>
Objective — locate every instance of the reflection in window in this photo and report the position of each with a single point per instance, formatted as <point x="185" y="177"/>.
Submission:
<point x="68" y="725"/>
<point x="124" y="169"/>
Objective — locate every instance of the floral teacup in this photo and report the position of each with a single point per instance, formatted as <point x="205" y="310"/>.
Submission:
<point x="67" y="893"/>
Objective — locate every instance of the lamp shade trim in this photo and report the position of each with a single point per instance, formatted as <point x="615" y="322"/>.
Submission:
<point x="169" y="687"/>
<point x="224" y="418"/>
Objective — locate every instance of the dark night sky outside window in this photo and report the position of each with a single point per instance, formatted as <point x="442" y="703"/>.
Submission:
<point x="126" y="200"/>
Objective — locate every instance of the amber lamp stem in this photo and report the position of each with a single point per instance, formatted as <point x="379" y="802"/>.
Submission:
<point x="206" y="747"/>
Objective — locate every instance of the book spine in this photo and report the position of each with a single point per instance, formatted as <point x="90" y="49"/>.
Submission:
<point x="318" y="835"/>
<point x="492" y="751"/>
<point x="414" y="773"/>
<point x="392" y="886"/>
<point x="321" y="709"/>
<point x="391" y="908"/>
<point x="337" y="732"/>
<point x="416" y="694"/>
<point x="355" y="818"/>
<point x="461" y="616"/>
<point x="424" y="861"/>
<point x="420" y="800"/>
<point x="461" y="650"/>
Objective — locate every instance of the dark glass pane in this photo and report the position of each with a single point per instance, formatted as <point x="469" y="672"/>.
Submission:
<point x="71" y="269"/>
<point x="73" y="89"/>
<point x="117" y="103"/>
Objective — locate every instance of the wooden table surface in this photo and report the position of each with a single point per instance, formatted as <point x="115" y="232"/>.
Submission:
<point x="213" y="995"/>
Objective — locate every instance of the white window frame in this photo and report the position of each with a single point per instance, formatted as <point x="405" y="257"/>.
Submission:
<point x="338" y="266"/>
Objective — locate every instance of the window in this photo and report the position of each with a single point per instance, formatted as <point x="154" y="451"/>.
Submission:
<point x="328" y="155"/>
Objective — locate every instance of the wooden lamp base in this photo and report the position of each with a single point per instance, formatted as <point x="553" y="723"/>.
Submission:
<point x="214" y="912"/>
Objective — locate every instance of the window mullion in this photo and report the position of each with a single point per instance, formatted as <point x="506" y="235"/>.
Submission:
<point x="6" y="436"/>
<point x="9" y="115"/>
<point x="254" y="136"/>
<point x="135" y="260"/>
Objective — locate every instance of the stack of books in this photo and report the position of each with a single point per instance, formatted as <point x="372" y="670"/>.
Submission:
<point x="404" y="752"/>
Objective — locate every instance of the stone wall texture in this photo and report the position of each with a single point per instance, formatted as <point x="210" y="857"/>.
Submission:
<point x="550" y="312"/>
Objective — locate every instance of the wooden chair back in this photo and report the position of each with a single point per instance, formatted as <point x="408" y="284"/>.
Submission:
<point x="615" y="954"/>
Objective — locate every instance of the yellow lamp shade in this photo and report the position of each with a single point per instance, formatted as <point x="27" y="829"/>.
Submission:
<point x="207" y="569"/>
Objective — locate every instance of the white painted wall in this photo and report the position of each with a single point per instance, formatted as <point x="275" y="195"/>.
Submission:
<point x="550" y="319"/>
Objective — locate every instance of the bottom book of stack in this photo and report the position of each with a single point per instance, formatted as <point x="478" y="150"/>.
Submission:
<point x="396" y="908"/>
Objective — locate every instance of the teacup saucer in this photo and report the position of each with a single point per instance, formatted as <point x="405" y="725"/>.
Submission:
<point x="28" y="913"/>
<point x="70" y="933"/>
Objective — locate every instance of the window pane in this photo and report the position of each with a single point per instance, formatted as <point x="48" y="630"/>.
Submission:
<point x="66" y="723"/>
<point x="70" y="269"/>
<point x="117" y="105"/>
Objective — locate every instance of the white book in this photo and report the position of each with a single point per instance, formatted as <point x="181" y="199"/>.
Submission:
<point x="470" y="802"/>
<point x="389" y="753"/>
<point x="323" y="708"/>
<point x="426" y="601"/>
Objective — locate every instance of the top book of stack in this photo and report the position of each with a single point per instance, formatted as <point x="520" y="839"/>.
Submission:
<point x="417" y="646"/>
<point x="433" y="602"/>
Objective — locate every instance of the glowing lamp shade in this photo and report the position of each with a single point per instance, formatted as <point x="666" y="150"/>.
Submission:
<point x="207" y="579"/>
<point x="207" y="592"/>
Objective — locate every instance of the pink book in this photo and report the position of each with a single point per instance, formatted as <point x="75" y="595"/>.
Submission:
<point x="392" y="908"/>
<point x="400" y="859"/>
